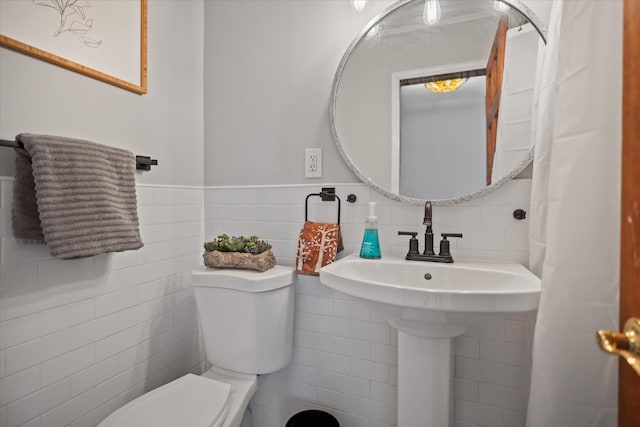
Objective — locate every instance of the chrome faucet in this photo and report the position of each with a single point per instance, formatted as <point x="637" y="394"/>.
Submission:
<point x="429" y="254"/>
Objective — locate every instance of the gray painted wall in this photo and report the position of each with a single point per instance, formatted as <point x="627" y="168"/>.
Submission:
<point x="166" y="123"/>
<point x="268" y="70"/>
<point x="443" y="144"/>
<point x="269" y="67"/>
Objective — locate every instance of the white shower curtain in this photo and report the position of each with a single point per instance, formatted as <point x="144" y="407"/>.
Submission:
<point x="513" y="140"/>
<point x="575" y="209"/>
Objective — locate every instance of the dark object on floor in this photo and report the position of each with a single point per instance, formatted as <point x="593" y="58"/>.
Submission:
<point x="312" y="418"/>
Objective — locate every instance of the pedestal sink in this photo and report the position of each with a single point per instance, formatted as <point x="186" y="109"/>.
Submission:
<point x="430" y="304"/>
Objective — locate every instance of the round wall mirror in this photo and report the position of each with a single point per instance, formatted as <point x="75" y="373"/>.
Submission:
<point x="433" y="100"/>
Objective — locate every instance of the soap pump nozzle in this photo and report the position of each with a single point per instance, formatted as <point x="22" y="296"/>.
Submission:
<point x="372" y="212"/>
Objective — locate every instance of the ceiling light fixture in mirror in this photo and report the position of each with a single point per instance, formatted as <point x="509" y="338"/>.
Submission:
<point x="431" y="13"/>
<point x="444" y="86"/>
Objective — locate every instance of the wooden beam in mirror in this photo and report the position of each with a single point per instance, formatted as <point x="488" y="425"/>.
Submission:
<point x="495" y="70"/>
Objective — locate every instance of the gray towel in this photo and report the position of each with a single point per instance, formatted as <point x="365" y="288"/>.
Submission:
<point x="76" y="196"/>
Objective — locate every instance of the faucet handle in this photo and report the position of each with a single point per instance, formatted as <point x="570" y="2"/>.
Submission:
<point x="408" y="233"/>
<point x="413" y="242"/>
<point x="445" y="235"/>
<point x="444" y="243"/>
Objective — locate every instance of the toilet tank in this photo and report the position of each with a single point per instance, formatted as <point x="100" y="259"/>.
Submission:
<point x="246" y="317"/>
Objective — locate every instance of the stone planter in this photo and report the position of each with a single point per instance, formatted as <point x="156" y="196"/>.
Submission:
<point x="242" y="260"/>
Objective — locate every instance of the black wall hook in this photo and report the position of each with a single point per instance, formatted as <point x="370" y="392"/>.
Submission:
<point x="519" y="214"/>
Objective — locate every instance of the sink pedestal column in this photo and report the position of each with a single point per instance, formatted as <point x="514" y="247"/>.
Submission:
<point x="424" y="381"/>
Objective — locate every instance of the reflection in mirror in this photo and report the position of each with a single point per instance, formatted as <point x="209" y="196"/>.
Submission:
<point x="412" y="143"/>
<point x="435" y="126"/>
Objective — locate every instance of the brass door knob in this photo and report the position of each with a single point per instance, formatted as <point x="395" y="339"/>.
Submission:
<point x="625" y="344"/>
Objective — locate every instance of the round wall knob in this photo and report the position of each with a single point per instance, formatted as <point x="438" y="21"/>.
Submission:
<point x="519" y="214"/>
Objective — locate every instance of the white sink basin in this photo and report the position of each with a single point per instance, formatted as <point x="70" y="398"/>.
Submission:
<point x="428" y="312"/>
<point x="464" y="286"/>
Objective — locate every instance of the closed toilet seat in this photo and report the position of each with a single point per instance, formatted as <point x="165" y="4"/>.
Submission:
<point x="189" y="401"/>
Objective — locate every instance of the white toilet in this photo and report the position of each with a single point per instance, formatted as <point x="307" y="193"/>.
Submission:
<point x="247" y="327"/>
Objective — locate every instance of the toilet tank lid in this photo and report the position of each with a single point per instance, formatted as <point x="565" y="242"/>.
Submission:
<point x="243" y="280"/>
<point x="189" y="401"/>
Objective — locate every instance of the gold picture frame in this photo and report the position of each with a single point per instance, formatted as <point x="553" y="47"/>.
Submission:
<point x="79" y="22"/>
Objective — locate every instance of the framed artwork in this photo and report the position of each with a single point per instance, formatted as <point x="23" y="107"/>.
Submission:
<point x="102" y="39"/>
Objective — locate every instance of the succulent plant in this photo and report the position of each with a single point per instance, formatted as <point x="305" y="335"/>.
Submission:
<point x="224" y="243"/>
<point x="255" y="246"/>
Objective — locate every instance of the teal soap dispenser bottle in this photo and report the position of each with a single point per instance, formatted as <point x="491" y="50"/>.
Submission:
<point x="370" y="244"/>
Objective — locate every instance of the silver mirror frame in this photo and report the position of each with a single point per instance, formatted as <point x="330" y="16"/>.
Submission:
<point x="519" y="6"/>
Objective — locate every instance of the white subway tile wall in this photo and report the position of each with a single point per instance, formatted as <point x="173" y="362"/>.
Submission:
<point x="345" y="355"/>
<point x="79" y="338"/>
